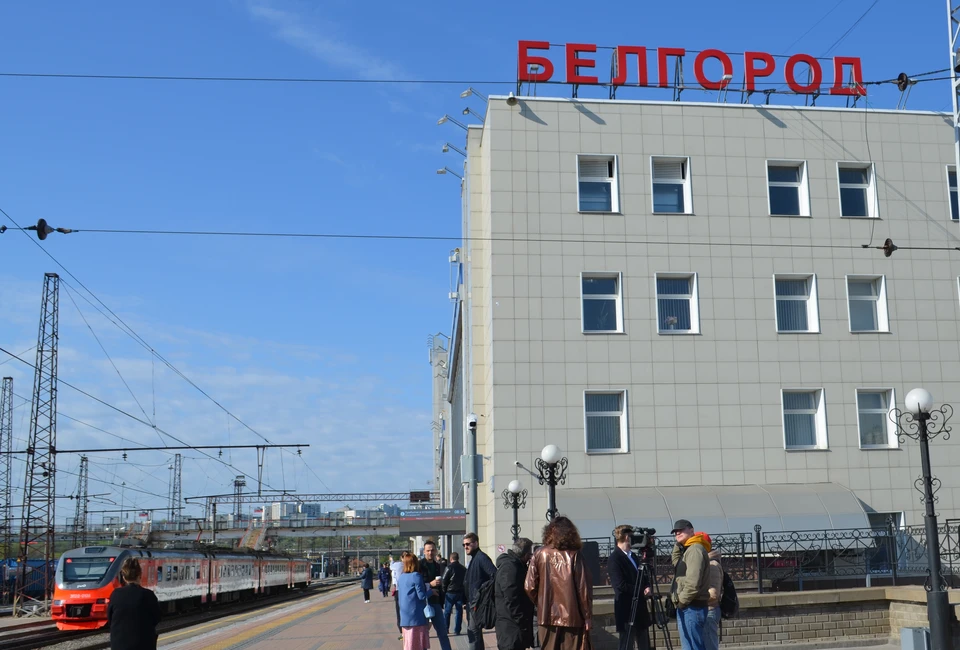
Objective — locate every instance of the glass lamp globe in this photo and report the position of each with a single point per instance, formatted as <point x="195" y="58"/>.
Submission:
<point x="515" y="486"/>
<point x="551" y="454"/>
<point x="919" y="400"/>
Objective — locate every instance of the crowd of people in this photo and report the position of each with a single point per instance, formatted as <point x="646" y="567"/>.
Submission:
<point x="550" y="588"/>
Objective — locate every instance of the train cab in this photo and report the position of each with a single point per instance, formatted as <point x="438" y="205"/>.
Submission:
<point x="85" y="578"/>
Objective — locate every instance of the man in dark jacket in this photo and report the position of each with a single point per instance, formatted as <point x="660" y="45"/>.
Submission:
<point x="514" y="608"/>
<point x="133" y="612"/>
<point x="432" y="572"/>
<point x="623" y="567"/>
<point x="479" y="571"/>
<point x="452" y="583"/>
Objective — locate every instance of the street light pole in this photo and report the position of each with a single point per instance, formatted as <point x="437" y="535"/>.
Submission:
<point x="515" y="497"/>
<point x="552" y="467"/>
<point x="922" y="422"/>
<point x="471" y="475"/>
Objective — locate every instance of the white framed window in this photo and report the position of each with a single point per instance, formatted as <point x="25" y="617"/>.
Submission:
<point x="952" y="189"/>
<point x="796" y="298"/>
<point x="867" y="303"/>
<point x="787" y="190"/>
<point x="876" y="429"/>
<point x="597" y="183"/>
<point x="605" y="421"/>
<point x="678" y="310"/>
<point x="804" y="418"/>
<point x="671" y="185"/>
<point x="858" y="196"/>
<point x="601" y="300"/>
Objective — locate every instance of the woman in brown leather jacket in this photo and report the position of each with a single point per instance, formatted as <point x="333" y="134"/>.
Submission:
<point x="559" y="583"/>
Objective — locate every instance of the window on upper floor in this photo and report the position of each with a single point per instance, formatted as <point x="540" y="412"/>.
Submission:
<point x="671" y="185"/>
<point x="952" y="188"/>
<point x="601" y="303"/>
<point x="787" y="189"/>
<point x="678" y="309"/>
<point x="857" y="193"/>
<point x="804" y="419"/>
<point x="796" y="297"/>
<point x="605" y="415"/>
<point x="867" y="303"/>
<point x="877" y="431"/>
<point x="597" y="183"/>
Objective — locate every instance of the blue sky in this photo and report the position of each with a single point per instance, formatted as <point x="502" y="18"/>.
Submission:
<point x="312" y="341"/>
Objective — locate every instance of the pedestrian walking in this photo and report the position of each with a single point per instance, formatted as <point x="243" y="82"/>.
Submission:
<point x="690" y="588"/>
<point x="366" y="582"/>
<point x="558" y="581"/>
<point x="623" y="567"/>
<point x="452" y="582"/>
<point x="711" y="627"/>
<point x="432" y="572"/>
<point x="514" y="608"/>
<point x="412" y="593"/>
<point x="396" y="568"/>
<point x="133" y="612"/>
<point x="479" y="571"/>
<point x="383" y="576"/>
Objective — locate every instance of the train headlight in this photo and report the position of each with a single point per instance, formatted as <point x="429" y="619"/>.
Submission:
<point x="57" y="603"/>
<point x="101" y="601"/>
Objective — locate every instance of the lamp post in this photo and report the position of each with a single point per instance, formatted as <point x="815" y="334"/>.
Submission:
<point x="515" y="497"/>
<point x="552" y="467"/>
<point x="921" y="422"/>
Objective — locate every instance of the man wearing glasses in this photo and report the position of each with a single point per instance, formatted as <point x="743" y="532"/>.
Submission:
<point x="479" y="571"/>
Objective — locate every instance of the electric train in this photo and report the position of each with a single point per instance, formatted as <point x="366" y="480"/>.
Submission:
<point x="86" y="577"/>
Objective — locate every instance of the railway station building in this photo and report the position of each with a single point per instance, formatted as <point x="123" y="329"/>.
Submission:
<point x="690" y="299"/>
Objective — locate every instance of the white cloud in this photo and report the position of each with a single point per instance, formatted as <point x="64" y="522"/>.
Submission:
<point x="313" y="34"/>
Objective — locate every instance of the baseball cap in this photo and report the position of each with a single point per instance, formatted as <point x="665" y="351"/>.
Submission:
<point x="681" y="524"/>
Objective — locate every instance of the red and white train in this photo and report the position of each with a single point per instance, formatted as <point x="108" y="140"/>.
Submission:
<point x="87" y="576"/>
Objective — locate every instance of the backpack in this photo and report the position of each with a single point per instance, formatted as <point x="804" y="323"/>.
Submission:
<point x="729" y="603"/>
<point x="485" y="608"/>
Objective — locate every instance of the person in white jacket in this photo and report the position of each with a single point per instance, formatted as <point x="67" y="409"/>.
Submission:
<point x="396" y="568"/>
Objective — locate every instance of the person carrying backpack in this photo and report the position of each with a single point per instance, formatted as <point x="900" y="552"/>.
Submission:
<point x="711" y="627"/>
<point x="479" y="572"/>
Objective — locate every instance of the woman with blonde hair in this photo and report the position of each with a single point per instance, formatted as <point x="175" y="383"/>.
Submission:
<point x="412" y="596"/>
<point x="133" y="612"/>
<point x="559" y="583"/>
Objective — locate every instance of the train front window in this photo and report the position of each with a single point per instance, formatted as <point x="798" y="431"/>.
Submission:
<point x="85" y="569"/>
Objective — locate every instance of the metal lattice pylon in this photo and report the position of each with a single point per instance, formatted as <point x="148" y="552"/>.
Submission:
<point x="34" y="576"/>
<point x="953" y="21"/>
<point x="6" y="446"/>
<point x="176" y="489"/>
<point x="80" y="522"/>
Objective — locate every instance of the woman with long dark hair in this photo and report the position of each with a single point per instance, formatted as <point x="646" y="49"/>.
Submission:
<point x="559" y="583"/>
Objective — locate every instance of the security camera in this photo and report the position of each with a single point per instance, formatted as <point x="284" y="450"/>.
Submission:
<point x="472" y="420"/>
<point x="511" y="100"/>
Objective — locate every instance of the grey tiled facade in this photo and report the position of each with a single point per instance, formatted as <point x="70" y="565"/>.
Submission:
<point x="702" y="409"/>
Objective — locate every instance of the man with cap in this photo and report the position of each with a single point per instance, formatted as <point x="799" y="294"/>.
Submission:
<point x="690" y="590"/>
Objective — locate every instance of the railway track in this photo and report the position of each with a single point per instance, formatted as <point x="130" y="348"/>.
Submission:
<point x="41" y="634"/>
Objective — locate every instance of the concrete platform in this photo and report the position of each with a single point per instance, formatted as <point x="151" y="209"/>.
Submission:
<point x="336" y="621"/>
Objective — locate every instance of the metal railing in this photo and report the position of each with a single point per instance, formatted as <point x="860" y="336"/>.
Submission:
<point x="820" y="559"/>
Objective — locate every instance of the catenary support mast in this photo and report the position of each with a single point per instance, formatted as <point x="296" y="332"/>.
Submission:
<point x="176" y="489"/>
<point x="953" y="22"/>
<point x="80" y="521"/>
<point x="34" y="580"/>
<point x="6" y="444"/>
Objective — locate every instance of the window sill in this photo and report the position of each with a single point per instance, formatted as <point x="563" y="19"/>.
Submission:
<point x="606" y="452"/>
<point x="595" y="332"/>
<point x="689" y="214"/>
<point x="679" y="333"/>
<point x="881" y="448"/>
<point x="805" y="449"/>
<point x="870" y="332"/>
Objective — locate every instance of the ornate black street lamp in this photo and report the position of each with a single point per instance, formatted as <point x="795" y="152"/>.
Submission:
<point x="515" y="497"/>
<point x="553" y="469"/>
<point x="921" y="422"/>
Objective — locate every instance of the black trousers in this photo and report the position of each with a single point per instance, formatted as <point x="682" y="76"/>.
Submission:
<point x="396" y="602"/>
<point x="366" y="594"/>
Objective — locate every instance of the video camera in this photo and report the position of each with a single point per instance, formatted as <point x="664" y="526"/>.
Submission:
<point x="643" y="538"/>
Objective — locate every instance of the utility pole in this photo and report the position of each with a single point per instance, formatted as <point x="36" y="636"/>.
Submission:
<point x="6" y="444"/>
<point x="238" y="484"/>
<point x="80" y="522"/>
<point x="36" y="535"/>
<point x="176" y="489"/>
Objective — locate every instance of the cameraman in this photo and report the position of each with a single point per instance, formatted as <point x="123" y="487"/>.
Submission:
<point x="624" y="571"/>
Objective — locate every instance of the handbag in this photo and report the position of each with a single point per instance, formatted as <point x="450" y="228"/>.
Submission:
<point x="428" y="611"/>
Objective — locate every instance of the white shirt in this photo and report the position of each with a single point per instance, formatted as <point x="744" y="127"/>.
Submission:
<point x="395" y="570"/>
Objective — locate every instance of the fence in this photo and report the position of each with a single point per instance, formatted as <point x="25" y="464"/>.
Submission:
<point x="818" y="559"/>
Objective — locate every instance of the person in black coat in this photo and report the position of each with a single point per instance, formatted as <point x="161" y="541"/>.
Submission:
<point x="479" y="571"/>
<point x="623" y="567"/>
<point x="514" y="608"/>
<point x="366" y="582"/>
<point x="133" y="612"/>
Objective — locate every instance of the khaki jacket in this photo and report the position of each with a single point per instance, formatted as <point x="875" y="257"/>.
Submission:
<point x="715" y="582"/>
<point x="690" y="585"/>
<point x="559" y="583"/>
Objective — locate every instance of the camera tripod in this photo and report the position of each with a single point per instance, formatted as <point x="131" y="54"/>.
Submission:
<point x="660" y="618"/>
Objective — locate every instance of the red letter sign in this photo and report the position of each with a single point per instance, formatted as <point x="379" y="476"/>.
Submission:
<point x="622" y="52"/>
<point x="662" y="54"/>
<point x="698" y="69"/>
<point x="816" y="74"/>
<point x="574" y="63"/>
<point x="525" y="61"/>
<point x="751" y="72"/>
<point x="856" y="87"/>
